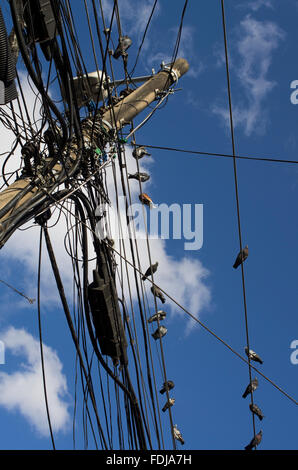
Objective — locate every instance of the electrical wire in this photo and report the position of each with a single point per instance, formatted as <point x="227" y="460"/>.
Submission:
<point x="31" y="301"/>
<point x="41" y="343"/>
<point x="240" y="157"/>
<point x="237" y="206"/>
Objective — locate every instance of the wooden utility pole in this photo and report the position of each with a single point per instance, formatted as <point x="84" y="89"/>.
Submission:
<point x="16" y="197"/>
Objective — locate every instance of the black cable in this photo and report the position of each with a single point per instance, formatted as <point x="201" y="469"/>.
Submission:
<point x="71" y="327"/>
<point x="143" y="38"/>
<point x="240" y="157"/>
<point x="177" y="44"/>
<point x="41" y="344"/>
<point x="129" y="392"/>
<point x="35" y="79"/>
<point x="18" y="292"/>
<point x="143" y="320"/>
<point x="237" y="204"/>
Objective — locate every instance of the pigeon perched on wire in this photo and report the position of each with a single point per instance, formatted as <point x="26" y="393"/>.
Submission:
<point x="124" y="43"/>
<point x="145" y="199"/>
<point x="241" y="257"/>
<point x="140" y="152"/>
<point x="151" y="270"/>
<point x="169" y="403"/>
<point x="157" y="293"/>
<point x="167" y="386"/>
<point x="257" y="411"/>
<point x="253" y="356"/>
<point x="160" y="332"/>
<point x="142" y="177"/>
<point x="251" y="387"/>
<point x="160" y="315"/>
<point x="177" y="434"/>
<point x="255" y="441"/>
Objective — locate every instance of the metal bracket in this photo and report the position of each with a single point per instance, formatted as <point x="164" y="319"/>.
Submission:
<point x="172" y="71"/>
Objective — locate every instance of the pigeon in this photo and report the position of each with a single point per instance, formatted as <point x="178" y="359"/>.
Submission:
<point x="151" y="270"/>
<point x="157" y="293"/>
<point x="124" y="43"/>
<point x="145" y="199"/>
<point x="253" y="356"/>
<point x="241" y="257"/>
<point x="140" y="152"/>
<point x="142" y="177"/>
<point x="177" y="434"/>
<point x="256" y="410"/>
<point x="255" y="441"/>
<point x="169" y="403"/>
<point x="160" y="315"/>
<point x="251" y="387"/>
<point x="160" y="332"/>
<point x="167" y="386"/>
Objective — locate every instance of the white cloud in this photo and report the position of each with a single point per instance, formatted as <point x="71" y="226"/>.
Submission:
<point x="252" y="58"/>
<point x="22" y="391"/>
<point x="255" y="5"/>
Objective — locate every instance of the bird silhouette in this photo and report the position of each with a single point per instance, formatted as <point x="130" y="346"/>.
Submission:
<point x="160" y="315"/>
<point x="160" y="332"/>
<point x="145" y="199"/>
<point x="169" y="403"/>
<point x="251" y="387"/>
<point x="140" y="152"/>
<point x="167" y="386"/>
<point x="256" y="410"/>
<point x="255" y="441"/>
<point x="253" y="356"/>
<point x="241" y="257"/>
<point x="124" y="43"/>
<point x="157" y="293"/>
<point x="142" y="177"/>
<point x="177" y="434"/>
<point x="151" y="270"/>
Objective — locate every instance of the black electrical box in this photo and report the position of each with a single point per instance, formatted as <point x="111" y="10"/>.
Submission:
<point x="107" y="319"/>
<point x="41" y="23"/>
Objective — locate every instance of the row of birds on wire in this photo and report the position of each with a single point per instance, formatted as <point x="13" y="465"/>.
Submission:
<point x="161" y="331"/>
<point x="253" y="356"/>
<point x="138" y="153"/>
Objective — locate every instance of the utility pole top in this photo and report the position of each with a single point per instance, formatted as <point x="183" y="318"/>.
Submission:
<point x="127" y="109"/>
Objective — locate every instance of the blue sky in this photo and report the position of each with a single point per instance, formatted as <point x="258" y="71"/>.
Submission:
<point x="209" y="379"/>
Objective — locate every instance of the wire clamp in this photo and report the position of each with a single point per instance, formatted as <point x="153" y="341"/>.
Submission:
<point x="169" y="68"/>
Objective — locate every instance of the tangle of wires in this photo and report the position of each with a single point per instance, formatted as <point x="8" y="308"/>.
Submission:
<point x="62" y="144"/>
